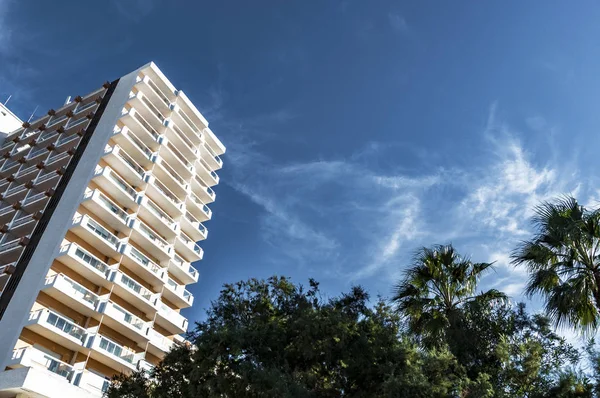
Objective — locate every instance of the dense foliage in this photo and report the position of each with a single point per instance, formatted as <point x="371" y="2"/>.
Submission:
<point x="438" y="336"/>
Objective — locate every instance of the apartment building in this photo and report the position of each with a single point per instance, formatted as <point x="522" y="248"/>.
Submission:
<point x="102" y="203"/>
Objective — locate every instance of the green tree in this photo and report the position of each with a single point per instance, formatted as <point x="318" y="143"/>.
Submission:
<point x="435" y="290"/>
<point x="563" y="260"/>
<point x="277" y="339"/>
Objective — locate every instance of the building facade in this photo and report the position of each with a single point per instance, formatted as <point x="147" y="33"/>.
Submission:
<point x="102" y="203"/>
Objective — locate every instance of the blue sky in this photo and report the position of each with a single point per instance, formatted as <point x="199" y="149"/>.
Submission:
<point x="357" y="131"/>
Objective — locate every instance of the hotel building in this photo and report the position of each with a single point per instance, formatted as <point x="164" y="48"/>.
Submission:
<point x="102" y="203"/>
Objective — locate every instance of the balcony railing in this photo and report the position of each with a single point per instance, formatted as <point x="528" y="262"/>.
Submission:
<point x="135" y="287"/>
<point x="158" y="92"/>
<point x="102" y="232"/>
<point x="30" y="356"/>
<point x="76" y="290"/>
<point x="113" y="208"/>
<point x="146" y="125"/>
<point x="165" y="191"/>
<point x="121" y="183"/>
<point x="59" y="323"/>
<point x="125" y="316"/>
<point x="152" y="108"/>
<point x="157" y="211"/>
<point x="174" y="316"/>
<point x="145" y="261"/>
<point x="184" y="265"/>
<point x="9" y="245"/>
<point x="115" y="349"/>
<point x="92" y="260"/>
<point x="153" y="236"/>
<point x="190" y="243"/>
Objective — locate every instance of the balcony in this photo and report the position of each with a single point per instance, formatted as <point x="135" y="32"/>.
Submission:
<point x="170" y="320"/>
<point x="143" y="267"/>
<point x="185" y="124"/>
<point x="204" y="192"/>
<point x="96" y="235"/>
<point x="47" y="179"/>
<point x="134" y="147"/>
<point x="107" y="210"/>
<point x="159" y="344"/>
<point x="32" y="357"/>
<point x="71" y="293"/>
<point x="193" y="228"/>
<point x="213" y="142"/>
<point x="183" y="270"/>
<point x="187" y="248"/>
<point x="148" y="111"/>
<point x="92" y="383"/>
<point x="10" y="250"/>
<point x="177" y="160"/>
<point x="15" y="193"/>
<point x="66" y="142"/>
<point x="7" y="212"/>
<point x="136" y="294"/>
<point x="206" y="175"/>
<point x="56" y="328"/>
<point x="111" y="183"/>
<point x="142" y="129"/>
<point x="57" y="160"/>
<point x="125" y="165"/>
<point x="151" y="241"/>
<point x="157" y="218"/>
<point x="197" y="208"/>
<point x="161" y="99"/>
<point x="27" y="174"/>
<point x="212" y="159"/>
<point x="112" y="354"/>
<point x="85" y="264"/>
<point x="177" y="294"/>
<point x="23" y="226"/>
<point x="124" y="322"/>
<point x="162" y="196"/>
<point x="180" y="140"/>
<point x="170" y="178"/>
<point x="35" y="201"/>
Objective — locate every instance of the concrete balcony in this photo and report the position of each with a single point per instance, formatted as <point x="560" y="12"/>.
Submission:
<point x="193" y="228"/>
<point x="186" y="126"/>
<point x="23" y="226"/>
<point x="11" y="249"/>
<point x="92" y="383"/>
<point x="170" y="178"/>
<point x="158" y="345"/>
<point x="134" y="147"/>
<point x="197" y="208"/>
<point x="112" y="354"/>
<point x="160" y="98"/>
<point x="121" y="191"/>
<point x="188" y="249"/>
<point x="136" y="294"/>
<point x="47" y="179"/>
<point x="124" y="322"/>
<point x="71" y="293"/>
<point x="183" y="270"/>
<point x="204" y="172"/>
<point x="86" y="264"/>
<point x="107" y="210"/>
<point x="32" y="357"/>
<point x="162" y="196"/>
<point x="171" y="320"/>
<point x="212" y="160"/>
<point x="7" y="212"/>
<point x="146" y="269"/>
<point x="157" y="218"/>
<point x="96" y="235"/>
<point x="16" y="192"/>
<point x="134" y="121"/>
<point x="177" y="294"/>
<point x="125" y="165"/>
<point x="183" y="144"/>
<point x="148" y="110"/>
<point x="5" y="272"/>
<point x="56" y="328"/>
<point x="205" y="193"/>
<point x="177" y="160"/>
<point x="35" y="201"/>
<point x="213" y="142"/>
<point x="57" y="160"/>
<point x="151" y="241"/>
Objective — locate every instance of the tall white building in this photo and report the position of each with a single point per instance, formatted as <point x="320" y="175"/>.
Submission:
<point x="101" y="205"/>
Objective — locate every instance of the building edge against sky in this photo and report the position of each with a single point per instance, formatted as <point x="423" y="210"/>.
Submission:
<point x="102" y="203"/>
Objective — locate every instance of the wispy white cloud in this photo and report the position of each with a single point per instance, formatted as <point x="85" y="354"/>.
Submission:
<point x="134" y="10"/>
<point x="397" y="22"/>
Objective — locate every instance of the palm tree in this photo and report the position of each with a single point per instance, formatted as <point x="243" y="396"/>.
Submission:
<point x="436" y="288"/>
<point x="563" y="260"/>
